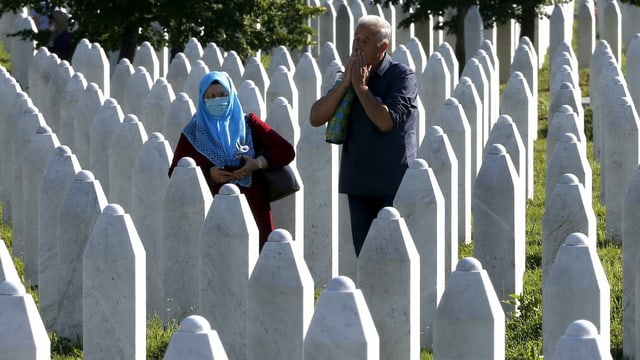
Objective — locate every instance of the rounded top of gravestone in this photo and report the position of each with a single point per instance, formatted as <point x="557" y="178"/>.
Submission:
<point x="141" y="69"/>
<point x="389" y="213"/>
<point x="451" y="101"/>
<point x="12" y="288"/>
<point x="473" y="61"/>
<point x="469" y="264"/>
<point x="465" y="80"/>
<point x="565" y="109"/>
<point x="124" y="61"/>
<point x="229" y="189"/>
<point x="504" y="119"/>
<point x="77" y="76"/>
<point x="568" y="138"/>
<point x="43" y="130"/>
<point x="496" y="149"/>
<point x="435" y="130"/>
<point x="517" y="75"/>
<point x="182" y="96"/>
<point x="581" y="329"/>
<point x="156" y="137"/>
<point x="110" y="102"/>
<point x="84" y="175"/>
<point x="341" y="284"/>
<point x="187" y="162"/>
<point x="280" y="101"/>
<point x="92" y="87"/>
<point x="195" y="324"/>
<point x="130" y="119"/>
<point x="63" y="150"/>
<point x="569" y="179"/>
<point x="113" y="210"/>
<point x="576" y="239"/>
<point x="22" y="95"/>
<point x="435" y="56"/>
<point x="280" y="236"/>
<point x="418" y="164"/>
<point x="566" y="85"/>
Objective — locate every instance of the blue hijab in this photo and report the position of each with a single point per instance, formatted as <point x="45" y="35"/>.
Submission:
<point x="221" y="139"/>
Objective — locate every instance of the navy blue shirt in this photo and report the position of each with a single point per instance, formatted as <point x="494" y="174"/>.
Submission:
<point x="373" y="162"/>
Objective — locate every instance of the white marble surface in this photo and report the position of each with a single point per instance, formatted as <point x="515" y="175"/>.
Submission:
<point x="517" y="102"/>
<point x="435" y="87"/>
<point x="58" y="176"/>
<point x="88" y="105"/>
<point x="136" y="92"/>
<point x="147" y="58"/>
<point x="156" y="105"/>
<point x="227" y="253"/>
<point x="195" y="340"/>
<point x="581" y="341"/>
<point x="79" y="211"/>
<point x="467" y="96"/>
<point x="178" y="71"/>
<point x="469" y="322"/>
<point x="453" y="121"/>
<point x="120" y="77"/>
<point x="184" y="208"/>
<point x="499" y="223"/>
<point x="342" y="326"/>
<point x="389" y="277"/>
<point x="568" y="210"/>
<point x="421" y="204"/>
<point x="577" y="288"/>
<point x="149" y="178"/>
<point x="505" y="132"/>
<point x="280" y="300"/>
<point x="106" y="122"/>
<point x="98" y="69"/>
<point x="568" y="157"/>
<point x="437" y="152"/>
<point x="36" y="155"/>
<point x="69" y="101"/>
<point x="630" y="231"/>
<point x="124" y="150"/>
<point x="113" y="291"/>
<point x="22" y="333"/>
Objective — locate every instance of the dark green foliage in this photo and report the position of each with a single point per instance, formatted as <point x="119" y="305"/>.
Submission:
<point x="231" y="24"/>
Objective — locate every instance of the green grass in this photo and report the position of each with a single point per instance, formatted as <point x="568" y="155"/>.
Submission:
<point x="523" y="332"/>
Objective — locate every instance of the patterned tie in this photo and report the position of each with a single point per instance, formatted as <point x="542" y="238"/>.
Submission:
<point x="337" y="126"/>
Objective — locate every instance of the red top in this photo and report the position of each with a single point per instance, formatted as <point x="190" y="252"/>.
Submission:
<point x="268" y="143"/>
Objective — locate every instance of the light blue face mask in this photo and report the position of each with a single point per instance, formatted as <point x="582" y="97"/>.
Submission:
<point x="217" y="106"/>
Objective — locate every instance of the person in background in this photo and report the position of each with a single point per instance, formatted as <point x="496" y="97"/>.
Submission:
<point x="381" y="133"/>
<point x="232" y="147"/>
<point x="60" y="38"/>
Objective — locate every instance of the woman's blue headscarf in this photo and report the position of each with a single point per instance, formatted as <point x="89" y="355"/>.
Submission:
<point x="221" y="139"/>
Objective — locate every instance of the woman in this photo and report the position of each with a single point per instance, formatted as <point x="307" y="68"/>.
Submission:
<point x="231" y="147"/>
<point x="60" y="38"/>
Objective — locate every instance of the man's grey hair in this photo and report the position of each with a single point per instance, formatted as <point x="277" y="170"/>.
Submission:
<point x="381" y="25"/>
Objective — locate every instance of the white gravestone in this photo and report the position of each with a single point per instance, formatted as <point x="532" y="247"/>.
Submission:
<point x="195" y="339"/>
<point x="342" y="326"/>
<point x="178" y="71"/>
<point x="568" y="157"/>
<point x="567" y="210"/>
<point x="228" y="253"/>
<point x="421" y="204"/>
<point x="148" y="179"/>
<point x="113" y="291"/>
<point x="89" y="103"/>
<point x="156" y="105"/>
<point x="38" y="152"/>
<point x="79" y="211"/>
<point x="184" y="208"/>
<point x="389" y="277"/>
<point x="469" y="322"/>
<point x="122" y="73"/>
<point x="435" y="87"/>
<point x="58" y="176"/>
<point x="581" y="341"/>
<point x="136" y="92"/>
<point x="22" y="333"/>
<point x="466" y="94"/>
<point x="106" y="123"/>
<point x="68" y="103"/>
<point x="499" y="223"/>
<point x="630" y="231"/>
<point x="146" y="57"/>
<point x="453" y="121"/>
<point x="124" y="149"/>
<point x="255" y="71"/>
<point x="177" y="117"/>
<point x="577" y="288"/>
<point x="280" y="300"/>
<point x="233" y="66"/>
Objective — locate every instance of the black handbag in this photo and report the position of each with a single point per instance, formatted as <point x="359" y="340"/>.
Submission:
<point x="280" y="182"/>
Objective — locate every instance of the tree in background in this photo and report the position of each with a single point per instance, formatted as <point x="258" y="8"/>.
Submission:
<point x="244" y="26"/>
<point x="449" y="15"/>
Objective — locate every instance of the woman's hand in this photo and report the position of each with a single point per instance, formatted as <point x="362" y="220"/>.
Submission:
<point x="221" y="176"/>
<point x="250" y="165"/>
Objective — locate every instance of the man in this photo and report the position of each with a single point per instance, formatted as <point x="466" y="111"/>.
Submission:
<point x="381" y="134"/>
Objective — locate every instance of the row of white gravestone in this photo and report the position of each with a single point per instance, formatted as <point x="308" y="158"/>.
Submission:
<point x="469" y="309"/>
